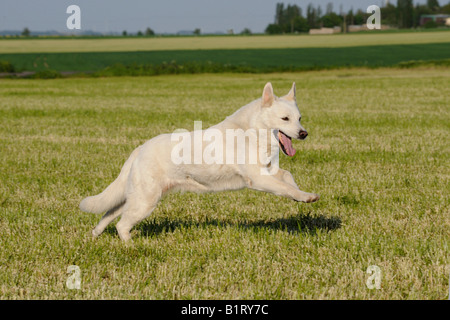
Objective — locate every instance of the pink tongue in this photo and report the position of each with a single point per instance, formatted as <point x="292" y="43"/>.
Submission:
<point x="287" y="144"/>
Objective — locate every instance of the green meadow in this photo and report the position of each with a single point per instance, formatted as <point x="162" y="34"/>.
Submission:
<point x="377" y="153"/>
<point x="243" y="60"/>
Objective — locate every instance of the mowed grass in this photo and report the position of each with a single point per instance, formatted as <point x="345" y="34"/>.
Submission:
<point x="219" y="42"/>
<point x="377" y="153"/>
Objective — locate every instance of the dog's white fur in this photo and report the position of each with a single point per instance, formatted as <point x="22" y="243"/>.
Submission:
<point x="149" y="173"/>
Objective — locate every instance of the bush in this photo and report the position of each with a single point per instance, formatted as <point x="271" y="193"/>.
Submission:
<point x="430" y="24"/>
<point x="6" y="66"/>
<point x="422" y="63"/>
<point x="171" y="68"/>
<point x="246" y="31"/>
<point x="274" y="29"/>
<point x="46" y="74"/>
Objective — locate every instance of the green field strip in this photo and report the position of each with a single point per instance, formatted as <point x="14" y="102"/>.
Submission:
<point x="259" y="60"/>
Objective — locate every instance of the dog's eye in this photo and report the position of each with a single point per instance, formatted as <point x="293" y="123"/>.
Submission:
<point x="285" y="118"/>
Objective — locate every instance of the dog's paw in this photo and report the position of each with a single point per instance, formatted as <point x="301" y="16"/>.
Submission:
<point x="95" y="233"/>
<point x="312" y="198"/>
<point x="307" y="198"/>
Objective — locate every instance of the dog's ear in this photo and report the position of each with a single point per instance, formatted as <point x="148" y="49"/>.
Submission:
<point x="267" y="96"/>
<point x="291" y="94"/>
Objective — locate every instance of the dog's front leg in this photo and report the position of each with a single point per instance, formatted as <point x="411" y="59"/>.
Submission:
<point x="273" y="184"/>
<point x="286" y="176"/>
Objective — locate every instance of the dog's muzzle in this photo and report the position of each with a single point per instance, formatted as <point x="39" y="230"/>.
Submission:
<point x="302" y="134"/>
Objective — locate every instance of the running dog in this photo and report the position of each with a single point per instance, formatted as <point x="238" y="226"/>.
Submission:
<point x="156" y="168"/>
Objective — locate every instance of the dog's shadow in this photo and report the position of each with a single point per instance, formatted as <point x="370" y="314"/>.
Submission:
<point x="302" y="223"/>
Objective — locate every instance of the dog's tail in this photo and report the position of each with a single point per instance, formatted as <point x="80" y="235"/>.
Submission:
<point x="114" y="194"/>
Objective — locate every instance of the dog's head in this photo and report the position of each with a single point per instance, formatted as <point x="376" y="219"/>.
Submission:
<point x="282" y="114"/>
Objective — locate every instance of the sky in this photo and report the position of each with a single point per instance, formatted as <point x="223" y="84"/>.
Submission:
<point x="167" y="16"/>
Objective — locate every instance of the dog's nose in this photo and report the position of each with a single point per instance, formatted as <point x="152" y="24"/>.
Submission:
<point x="302" y="134"/>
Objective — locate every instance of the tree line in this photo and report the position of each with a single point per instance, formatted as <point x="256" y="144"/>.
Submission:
<point x="291" y="19"/>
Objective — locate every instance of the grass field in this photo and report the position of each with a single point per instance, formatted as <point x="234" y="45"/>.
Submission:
<point x="378" y="154"/>
<point x="217" y="54"/>
<point x="246" y="60"/>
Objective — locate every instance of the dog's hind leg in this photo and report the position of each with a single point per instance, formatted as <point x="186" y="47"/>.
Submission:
<point x="139" y="205"/>
<point x="107" y="218"/>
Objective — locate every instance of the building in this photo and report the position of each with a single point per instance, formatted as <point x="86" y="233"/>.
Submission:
<point x="438" y="18"/>
<point x="325" y="30"/>
<point x="363" y="27"/>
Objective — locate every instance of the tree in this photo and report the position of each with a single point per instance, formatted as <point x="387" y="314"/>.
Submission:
<point x="292" y="12"/>
<point x="446" y="8"/>
<point x="149" y="32"/>
<point x="197" y="31"/>
<point x="287" y="20"/>
<point x="312" y="16"/>
<point x="359" y="18"/>
<point x="301" y="25"/>
<point x="279" y="13"/>
<point x="329" y="8"/>
<point x="350" y="17"/>
<point x="331" y="20"/>
<point x="418" y="11"/>
<point x="319" y="12"/>
<point x="140" y="34"/>
<point x="405" y="15"/>
<point x="389" y="15"/>
<point x="246" y="31"/>
<point x="433" y="5"/>
<point x="124" y="33"/>
<point x="26" y="32"/>
<point x="273" y="29"/>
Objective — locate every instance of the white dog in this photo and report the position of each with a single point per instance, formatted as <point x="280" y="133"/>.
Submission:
<point x="154" y="168"/>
